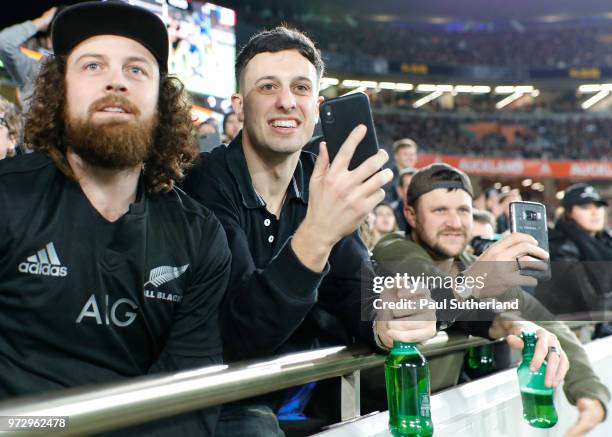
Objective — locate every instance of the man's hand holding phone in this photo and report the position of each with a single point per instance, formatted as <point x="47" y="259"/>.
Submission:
<point x="500" y="265"/>
<point x="339" y="199"/>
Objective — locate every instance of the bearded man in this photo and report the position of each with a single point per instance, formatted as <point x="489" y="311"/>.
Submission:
<point x="102" y="272"/>
<point x="439" y="212"/>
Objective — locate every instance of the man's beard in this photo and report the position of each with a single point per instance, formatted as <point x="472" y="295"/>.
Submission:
<point x="436" y="250"/>
<point x="114" y="145"/>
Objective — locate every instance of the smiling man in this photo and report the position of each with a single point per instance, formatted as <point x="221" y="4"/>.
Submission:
<point x="291" y="223"/>
<point x="106" y="270"/>
<point x="439" y="212"/>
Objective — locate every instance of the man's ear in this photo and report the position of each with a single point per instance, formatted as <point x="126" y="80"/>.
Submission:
<point x="410" y="215"/>
<point x="238" y="105"/>
<point x="320" y="101"/>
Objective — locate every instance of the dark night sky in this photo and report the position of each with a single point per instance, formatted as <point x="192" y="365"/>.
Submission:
<point x="479" y="10"/>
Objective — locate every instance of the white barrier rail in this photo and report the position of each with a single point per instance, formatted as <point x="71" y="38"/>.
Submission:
<point x="490" y="406"/>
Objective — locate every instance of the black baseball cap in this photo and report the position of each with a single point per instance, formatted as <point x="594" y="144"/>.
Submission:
<point x="582" y="194"/>
<point x="434" y="176"/>
<point x="77" y="23"/>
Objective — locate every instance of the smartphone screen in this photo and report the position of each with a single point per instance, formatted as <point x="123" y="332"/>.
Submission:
<point x="339" y="117"/>
<point x="530" y="218"/>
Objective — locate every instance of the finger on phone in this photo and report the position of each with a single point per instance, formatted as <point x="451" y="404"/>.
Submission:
<point x="322" y="162"/>
<point x="347" y="150"/>
<point x="524" y="248"/>
<point x="518" y="238"/>
<point x="380" y="179"/>
<point x="529" y="262"/>
<point x="371" y="165"/>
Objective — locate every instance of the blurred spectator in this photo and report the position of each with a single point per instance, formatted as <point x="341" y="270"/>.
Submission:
<point x="22" y="68"/>
<point x="384" y="222"/>
<point x="580" y="251"/>
<point x="484" y="224"/>
<point x="505" y="199"/>
<point x="231" y="126"/>
<point x="405" y="153"/>
<point x="11" y="126"/>
<point x="403" y="181"/>
<point x="405" y="156"/>
<point x="366" y="230"/>
<point x="208" y="135"/>
<point x="582" y="44"/>
<point x="482" y="234"/>
<point x="491" y="197"/>
<point x="554" y="137"/>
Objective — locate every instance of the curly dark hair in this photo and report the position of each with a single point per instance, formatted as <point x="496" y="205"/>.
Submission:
<point x="174" y="148"/>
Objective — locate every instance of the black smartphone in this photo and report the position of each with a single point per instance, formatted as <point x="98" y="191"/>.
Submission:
<point x="530" y="218"/>
<point x="339" y="117"/>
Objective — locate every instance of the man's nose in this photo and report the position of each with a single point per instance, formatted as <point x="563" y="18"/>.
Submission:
<point x="116" y="81"/>
<point x="116" y="87"/>
<point x="286" y="99"/>
<point x="454" y="220"/>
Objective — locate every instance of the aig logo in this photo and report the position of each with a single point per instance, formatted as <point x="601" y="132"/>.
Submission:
<point x="120" y="313"/>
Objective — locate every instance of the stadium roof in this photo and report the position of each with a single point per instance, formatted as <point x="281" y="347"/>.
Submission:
<point x="431" y="11"/>
<point x="441" y="11"/>
<point x="481" y="10"/>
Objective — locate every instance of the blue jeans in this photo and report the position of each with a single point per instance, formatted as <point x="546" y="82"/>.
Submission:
<point x="247" y="421"/>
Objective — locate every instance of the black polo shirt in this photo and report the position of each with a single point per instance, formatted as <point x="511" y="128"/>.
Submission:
<point x="84" y="300"/>
<point x="274" y="303"/>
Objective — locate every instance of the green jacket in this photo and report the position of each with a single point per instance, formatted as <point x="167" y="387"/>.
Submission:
<point x="398" y="254"/>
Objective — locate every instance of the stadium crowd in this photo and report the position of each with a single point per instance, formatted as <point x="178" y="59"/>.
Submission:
<point x="534" y="45"/>
<point x="491" y="135"/>
<point x="257" y="247"/>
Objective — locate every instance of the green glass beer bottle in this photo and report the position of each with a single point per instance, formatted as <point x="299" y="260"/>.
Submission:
<point x="480" y="361"/>
<point x="407" y="378"/>
<point x="538" y="408"/>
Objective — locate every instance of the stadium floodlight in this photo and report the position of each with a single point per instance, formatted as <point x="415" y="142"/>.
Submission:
<point x="507" y="100"/>
<point x="426" y="88"/>
<point x="504" y="89"/>
<point x="387" y="85"/>
<point x="350" y="83"/>
<point x="589" y="88"/>
<point x="444" y="88"/>
<point x="463" y="88"/>
<point x="403" y="86"/>
<point x="330" y="81"/>
<point x="428" y="98"/>
<point x="595" y="99"/>
<point x="524" y="89"/>
<point x="326" y="82"/>
<point x="481" y="89"/>
<point x="368" y="84"/>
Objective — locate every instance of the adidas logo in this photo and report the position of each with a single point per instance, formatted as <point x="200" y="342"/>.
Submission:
<point x="45" y="262"/>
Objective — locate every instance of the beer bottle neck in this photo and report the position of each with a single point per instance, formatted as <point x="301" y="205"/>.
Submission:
<point x="528" y="349"/>
<point x="400" y="347"/>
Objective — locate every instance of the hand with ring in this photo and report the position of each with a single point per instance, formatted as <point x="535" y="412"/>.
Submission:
<point x="547" y="347"/>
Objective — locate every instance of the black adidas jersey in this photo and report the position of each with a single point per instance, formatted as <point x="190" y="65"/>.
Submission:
<point x="83" y="300"/>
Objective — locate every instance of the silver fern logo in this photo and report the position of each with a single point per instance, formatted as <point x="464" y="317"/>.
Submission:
<point x="163" y="274"/>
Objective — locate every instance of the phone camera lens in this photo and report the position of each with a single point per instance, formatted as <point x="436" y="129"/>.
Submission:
<point x="328" y="114"/>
